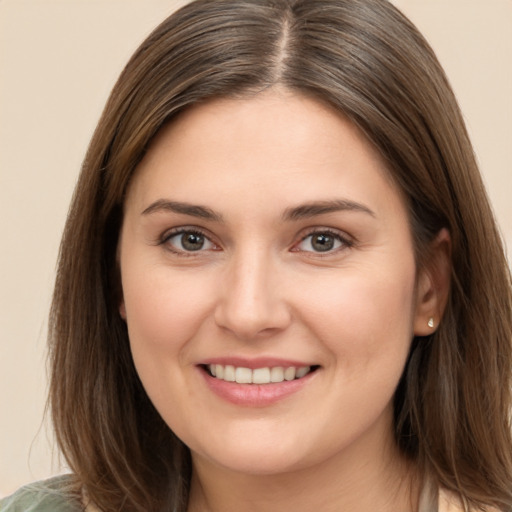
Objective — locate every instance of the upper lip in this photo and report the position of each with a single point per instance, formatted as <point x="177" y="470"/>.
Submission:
<point x="260" y="362"/>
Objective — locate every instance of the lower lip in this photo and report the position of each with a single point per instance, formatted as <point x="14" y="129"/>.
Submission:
<point x="255" y="395"/>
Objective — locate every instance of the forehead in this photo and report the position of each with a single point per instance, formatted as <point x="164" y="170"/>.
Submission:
<point x="266" y="121"/>
<point x="280" y="143"/>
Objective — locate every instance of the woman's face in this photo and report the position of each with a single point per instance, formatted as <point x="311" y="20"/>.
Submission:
<point x="264" y="242"/>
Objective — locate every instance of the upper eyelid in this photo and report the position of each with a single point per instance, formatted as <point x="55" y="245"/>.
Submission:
<point x="347" y="242"/>
<point x="343" y="235"/>
<point x="169" y="233"/>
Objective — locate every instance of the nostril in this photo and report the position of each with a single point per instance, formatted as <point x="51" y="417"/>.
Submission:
<point x="252" y="319"/>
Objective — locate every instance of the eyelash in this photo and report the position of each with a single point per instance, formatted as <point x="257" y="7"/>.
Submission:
<point x="167" y="236"/>
<point x="345" y="242"/>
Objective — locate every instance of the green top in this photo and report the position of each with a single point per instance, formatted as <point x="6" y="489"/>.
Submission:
<point x="45" y="496"/>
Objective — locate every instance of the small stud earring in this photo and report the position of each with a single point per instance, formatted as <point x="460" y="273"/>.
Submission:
<point x="430" y="322"/>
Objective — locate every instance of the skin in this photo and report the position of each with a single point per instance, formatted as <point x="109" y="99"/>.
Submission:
<point x="260" y="288"/>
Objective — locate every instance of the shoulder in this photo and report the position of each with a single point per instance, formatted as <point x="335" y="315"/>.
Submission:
<point x="449" y="502"/>
<point x="46" y="496"/>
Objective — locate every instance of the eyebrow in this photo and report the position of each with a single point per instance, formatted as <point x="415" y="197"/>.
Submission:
<point x="290" y="214"/>
<point x="193" y="210"/>
<point x="323" y="207"/>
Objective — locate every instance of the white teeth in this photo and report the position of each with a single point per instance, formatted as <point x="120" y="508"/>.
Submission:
<point x="276" y="374"/>
<point x="229" y="373"/>
<point x="261" y="376"/>
<point x="302" y="372"/>
<point x="264" y="375"/>
<point x="289" y="373"/>
<point x="243" y="376"/>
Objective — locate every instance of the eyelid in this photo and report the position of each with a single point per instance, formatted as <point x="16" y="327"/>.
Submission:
<point x="170" y="233"/>
<point x="346" y="240"/>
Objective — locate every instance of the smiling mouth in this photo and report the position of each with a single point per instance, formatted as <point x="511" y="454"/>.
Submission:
<point x="265" y="375"/>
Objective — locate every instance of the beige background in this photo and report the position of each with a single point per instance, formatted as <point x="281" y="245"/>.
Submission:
<point x="58" y="61"/>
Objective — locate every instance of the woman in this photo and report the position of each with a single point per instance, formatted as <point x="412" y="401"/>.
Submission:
<point x="280" y="284"/>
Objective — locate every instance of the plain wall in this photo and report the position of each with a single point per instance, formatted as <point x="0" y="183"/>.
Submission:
<point x="58" y="62"/>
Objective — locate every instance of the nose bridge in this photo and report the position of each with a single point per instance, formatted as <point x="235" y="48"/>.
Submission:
<point x="251" y="302"/>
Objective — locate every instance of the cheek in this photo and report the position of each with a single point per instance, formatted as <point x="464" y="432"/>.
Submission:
<point x="164" y="310"/>
<point x="363" y="317"/>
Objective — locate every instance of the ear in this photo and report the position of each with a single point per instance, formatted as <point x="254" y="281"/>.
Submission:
<point x="433" y="286"/>
<point x="122" y="309"/>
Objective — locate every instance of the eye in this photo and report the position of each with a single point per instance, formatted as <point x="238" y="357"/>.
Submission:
<point x="188" y="241"/>
<point x="321" y="242"/>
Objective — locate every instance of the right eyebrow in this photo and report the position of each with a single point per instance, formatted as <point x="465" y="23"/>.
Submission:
<point x="313" y="209"/>
<point x="193" y="210"/>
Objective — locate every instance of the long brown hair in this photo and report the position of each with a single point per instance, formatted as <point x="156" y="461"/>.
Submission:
<point x="365" y="59"/>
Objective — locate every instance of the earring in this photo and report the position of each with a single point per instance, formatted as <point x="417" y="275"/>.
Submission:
<point x="430" y="322"/>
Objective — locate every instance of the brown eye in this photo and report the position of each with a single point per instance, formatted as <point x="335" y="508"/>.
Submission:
<point x="192" y="241"/>
<point x="321" y="241"/>
<point x="189" y="241"/>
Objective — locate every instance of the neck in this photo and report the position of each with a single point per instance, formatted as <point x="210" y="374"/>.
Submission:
<point x="381" y="480"/>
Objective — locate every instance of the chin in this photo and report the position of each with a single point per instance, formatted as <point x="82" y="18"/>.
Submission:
<point x="266" y="457"/>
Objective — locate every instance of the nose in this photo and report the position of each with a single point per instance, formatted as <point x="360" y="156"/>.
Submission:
<point x="252" y="302"/>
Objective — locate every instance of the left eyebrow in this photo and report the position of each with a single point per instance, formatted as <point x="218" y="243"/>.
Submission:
<point x="193" y="210"/>
<point x="322" y="207"/>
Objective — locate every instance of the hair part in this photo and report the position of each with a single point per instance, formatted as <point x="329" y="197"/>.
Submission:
<point x="367" y="61"/>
